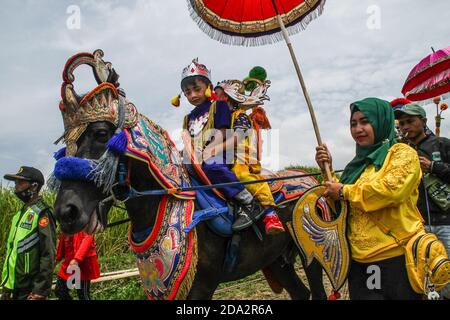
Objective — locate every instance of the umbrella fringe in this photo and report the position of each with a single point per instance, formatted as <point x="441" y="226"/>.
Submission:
<point x="255" y="40"/>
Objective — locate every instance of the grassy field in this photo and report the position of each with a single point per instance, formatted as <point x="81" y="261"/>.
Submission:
<point x="114" y="254"/>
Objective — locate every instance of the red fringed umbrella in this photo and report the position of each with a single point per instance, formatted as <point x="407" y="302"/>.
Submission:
<point x="259" y="22"/>
<point x="252" y="22"/>
<point x="430" y="77"/>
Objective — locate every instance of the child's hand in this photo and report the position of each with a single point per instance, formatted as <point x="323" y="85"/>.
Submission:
<point x="208" y="152"/>
<point x="73" y="262"/>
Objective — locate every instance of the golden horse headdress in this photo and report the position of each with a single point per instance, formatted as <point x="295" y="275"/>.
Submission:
<point x="100" y="104"/>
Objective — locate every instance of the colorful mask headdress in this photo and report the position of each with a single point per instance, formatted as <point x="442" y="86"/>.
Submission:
<point x="256" y="76"/>
<point x="235" y="90"/>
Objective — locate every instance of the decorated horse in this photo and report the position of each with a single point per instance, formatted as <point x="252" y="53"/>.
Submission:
<point x="180" y="233"/>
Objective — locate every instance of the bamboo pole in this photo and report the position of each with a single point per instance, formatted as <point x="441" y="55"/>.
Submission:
<point x="117" y="276"/>
<point x="114" y="275"/>
<point x="304" y="89"/>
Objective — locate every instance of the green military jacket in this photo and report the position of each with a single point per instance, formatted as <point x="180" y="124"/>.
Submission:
<point x="31" y="250"/>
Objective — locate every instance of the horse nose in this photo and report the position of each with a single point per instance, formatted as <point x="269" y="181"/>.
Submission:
<point x="69" y="213"/>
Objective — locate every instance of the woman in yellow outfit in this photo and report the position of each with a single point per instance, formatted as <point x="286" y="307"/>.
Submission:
<point x="381" y="186"/>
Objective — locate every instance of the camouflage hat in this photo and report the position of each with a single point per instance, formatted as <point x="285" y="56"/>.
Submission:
<point x="412" y="109"/>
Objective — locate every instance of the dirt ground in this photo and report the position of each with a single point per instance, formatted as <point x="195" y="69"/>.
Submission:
<point x="255" y="287"/>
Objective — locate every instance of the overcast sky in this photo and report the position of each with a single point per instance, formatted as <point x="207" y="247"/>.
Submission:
<point x="356" y="49"/>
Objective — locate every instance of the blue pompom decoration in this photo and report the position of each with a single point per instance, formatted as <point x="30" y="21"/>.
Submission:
<point x="72" y="168"/>
<point x="61" y="153"/>
<point x="118" y="143"/>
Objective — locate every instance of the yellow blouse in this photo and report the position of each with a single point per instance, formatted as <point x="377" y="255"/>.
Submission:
<point x="388" y="195"/>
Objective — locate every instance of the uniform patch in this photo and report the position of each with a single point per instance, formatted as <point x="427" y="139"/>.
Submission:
<point x="26" y="225"/>
<point x="43" y="222"/>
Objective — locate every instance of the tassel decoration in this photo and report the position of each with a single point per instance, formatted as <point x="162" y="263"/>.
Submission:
<point x="208" y="92"/>
<point x="53" y="184"/>
<point x="61" y="153"/>
<point x="176" y="100"/>
<point x="118" y="143"/>
<point x="213" y="97"/>
<point x="335" y="295"/>
<point x="105" y="172"/>
<point x="259" y="119"/>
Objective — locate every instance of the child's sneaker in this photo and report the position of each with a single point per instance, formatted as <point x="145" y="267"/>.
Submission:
<point x="273" y="225"/>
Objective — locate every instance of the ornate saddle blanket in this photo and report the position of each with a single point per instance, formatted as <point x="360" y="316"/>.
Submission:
<point x="167" y="258"/>
<point x="150" y="143"/>
<point x="218" y="214"/>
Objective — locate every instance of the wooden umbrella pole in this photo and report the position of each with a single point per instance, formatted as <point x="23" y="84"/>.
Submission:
<point x="305" y="91"/>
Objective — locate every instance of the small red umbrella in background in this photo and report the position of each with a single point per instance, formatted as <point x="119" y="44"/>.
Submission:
<point x="259" y="22"/>
<point x="430" y="77"/>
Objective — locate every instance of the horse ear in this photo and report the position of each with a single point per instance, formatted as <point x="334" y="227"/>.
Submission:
<point x="70" y="99"/>
<point x="113" y="78"/>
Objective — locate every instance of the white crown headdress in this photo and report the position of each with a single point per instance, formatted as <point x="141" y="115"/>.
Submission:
<point x="196" y="69"/>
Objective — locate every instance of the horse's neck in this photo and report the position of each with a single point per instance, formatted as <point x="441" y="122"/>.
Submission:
<point x="142" y="210"/>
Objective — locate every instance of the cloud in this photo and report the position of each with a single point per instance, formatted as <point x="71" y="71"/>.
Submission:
<point x="149" y="42"/>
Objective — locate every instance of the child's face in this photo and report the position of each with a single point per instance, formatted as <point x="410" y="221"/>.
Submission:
<point x="220" y="94"/>
<point x="196" y="93"/>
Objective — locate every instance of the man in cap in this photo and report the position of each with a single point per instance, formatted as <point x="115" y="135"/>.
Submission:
<point x="434" y="156"/>
<point x="30" y="248"/>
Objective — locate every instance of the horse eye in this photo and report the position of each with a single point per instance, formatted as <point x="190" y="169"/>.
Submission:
<point x="101" y="135"/>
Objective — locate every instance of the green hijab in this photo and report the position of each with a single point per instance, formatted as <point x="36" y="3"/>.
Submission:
<point x="381" y="116"/>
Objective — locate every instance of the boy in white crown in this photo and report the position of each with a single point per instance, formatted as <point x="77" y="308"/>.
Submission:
<point x="206" y="126"/>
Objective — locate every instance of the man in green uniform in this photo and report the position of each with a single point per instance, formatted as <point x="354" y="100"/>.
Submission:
<point x="30" y="249"/>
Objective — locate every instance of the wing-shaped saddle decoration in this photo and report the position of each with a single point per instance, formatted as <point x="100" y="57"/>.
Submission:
<point x="325" y="241"/>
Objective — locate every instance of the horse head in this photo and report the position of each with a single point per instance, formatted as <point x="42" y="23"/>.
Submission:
<point x="86" y="134"/>
<point x="111" y="151"/>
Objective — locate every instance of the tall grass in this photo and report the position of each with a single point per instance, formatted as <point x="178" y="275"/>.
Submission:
<point x="111" y="242"/>
<point x="308" y="170"/>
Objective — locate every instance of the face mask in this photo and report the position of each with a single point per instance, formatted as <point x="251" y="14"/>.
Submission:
<point x="26" y="195"/>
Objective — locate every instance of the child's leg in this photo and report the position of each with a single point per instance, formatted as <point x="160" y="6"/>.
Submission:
<point x="261" y="191"/>
<point x="84" y="292"/>
<point x="61" y="290"/>
<point x="218" y="172"/>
